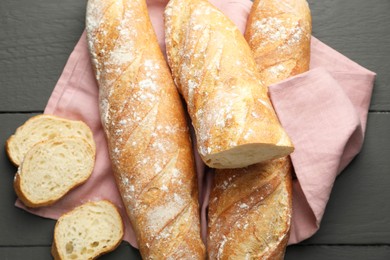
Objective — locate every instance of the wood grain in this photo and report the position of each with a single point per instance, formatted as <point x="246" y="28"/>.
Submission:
<point x="42" y="252"/>
<point x="125" y="251"/>
<point x="39" y="36"/>
<point x="338" y="252"/>
<point x="360" y="30"/>
<point x="17" y="226"/>
<point x="36" y="40"/>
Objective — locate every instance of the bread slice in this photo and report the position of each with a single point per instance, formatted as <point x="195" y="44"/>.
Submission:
<point x="52" y="168"/>
<point x="43" y="127"/>
<point x="87" y="231"/>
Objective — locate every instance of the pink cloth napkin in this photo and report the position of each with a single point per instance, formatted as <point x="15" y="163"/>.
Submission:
<point x="324" y="111"/>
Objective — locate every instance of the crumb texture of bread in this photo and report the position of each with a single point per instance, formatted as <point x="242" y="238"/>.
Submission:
<point x="214" y="69"/>
<point x="52" y="168"/>
<point x="43" y="127"/>
<point x="88" y="231"/>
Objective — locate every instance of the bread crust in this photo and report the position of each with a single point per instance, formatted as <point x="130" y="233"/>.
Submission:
<point x="21" y="186"/>
<point x="279" y="33"/>
<point x="146" y="129"/>
<point x="111" y="247"/>
<point x="250" y="209"/>
<point x="16" y="147"/>
<point x="213" y="68"/>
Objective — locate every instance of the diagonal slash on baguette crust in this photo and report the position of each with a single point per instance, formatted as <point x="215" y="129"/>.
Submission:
<point x="278" y="32"/>
<point x="146" y="129"/>
<point x="214" y="69"/>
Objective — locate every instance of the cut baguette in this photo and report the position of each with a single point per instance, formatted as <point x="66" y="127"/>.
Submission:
<point x="88" y="231"/>
<point x="214" y="69"/>
<point x="52" y="168"/>
<point x="250" y="211"/>
<point x="43" y="127"/>
<point x="250" y="208"/>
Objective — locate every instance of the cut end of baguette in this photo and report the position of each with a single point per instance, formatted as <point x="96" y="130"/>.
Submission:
<point x="52" y="168"/>
<point x="43" y="127"/>
<point x="88" y="231"/>
<point x="245" y="155"/>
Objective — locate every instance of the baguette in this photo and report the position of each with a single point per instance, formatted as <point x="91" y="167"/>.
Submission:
<point x="88" y="231"/>
<point x="250" y="209"/>
<point x="42" y="127"/>
<point x="213" y="68"/>
<point x="279" y="34"/>
<point x="53" y="167"/>
<point x="249" y="212"/>
<point x="146" y="129"/>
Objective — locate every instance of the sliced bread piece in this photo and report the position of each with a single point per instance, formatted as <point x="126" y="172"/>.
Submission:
<point x="43" y="127"/>
<point x="87" y="231"/>
<point x="52" y="168"/>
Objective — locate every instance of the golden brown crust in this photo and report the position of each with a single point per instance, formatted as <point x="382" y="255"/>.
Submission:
<point x="54" y="251"/>
<point x="279" y="33"/>
<point x="8" y="150"/>
<point x="146" y="129"/>
<point x="250" y="209"/>
<point x="19" y="193"/>
<point x="213" y="67"/>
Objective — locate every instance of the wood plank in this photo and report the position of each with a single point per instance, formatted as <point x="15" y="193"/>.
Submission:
<point x="36" y="40"/>
<point x="357" y="212"/>
<point x="125" y="251"/>
<point x="17" y="226"/>
<point x="31" y="253"/>
<point x="38" y="36"/>
<point x="360" y="30"/>
<point x="326" y="252"/>
<point x="359" y="209"/>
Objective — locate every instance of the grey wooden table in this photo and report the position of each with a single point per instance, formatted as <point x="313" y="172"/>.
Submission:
<point x="36" y="38"/>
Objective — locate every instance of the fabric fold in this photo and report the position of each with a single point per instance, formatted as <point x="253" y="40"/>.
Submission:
<point x="320" y="120"/>
<point x="324" y="111"/>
